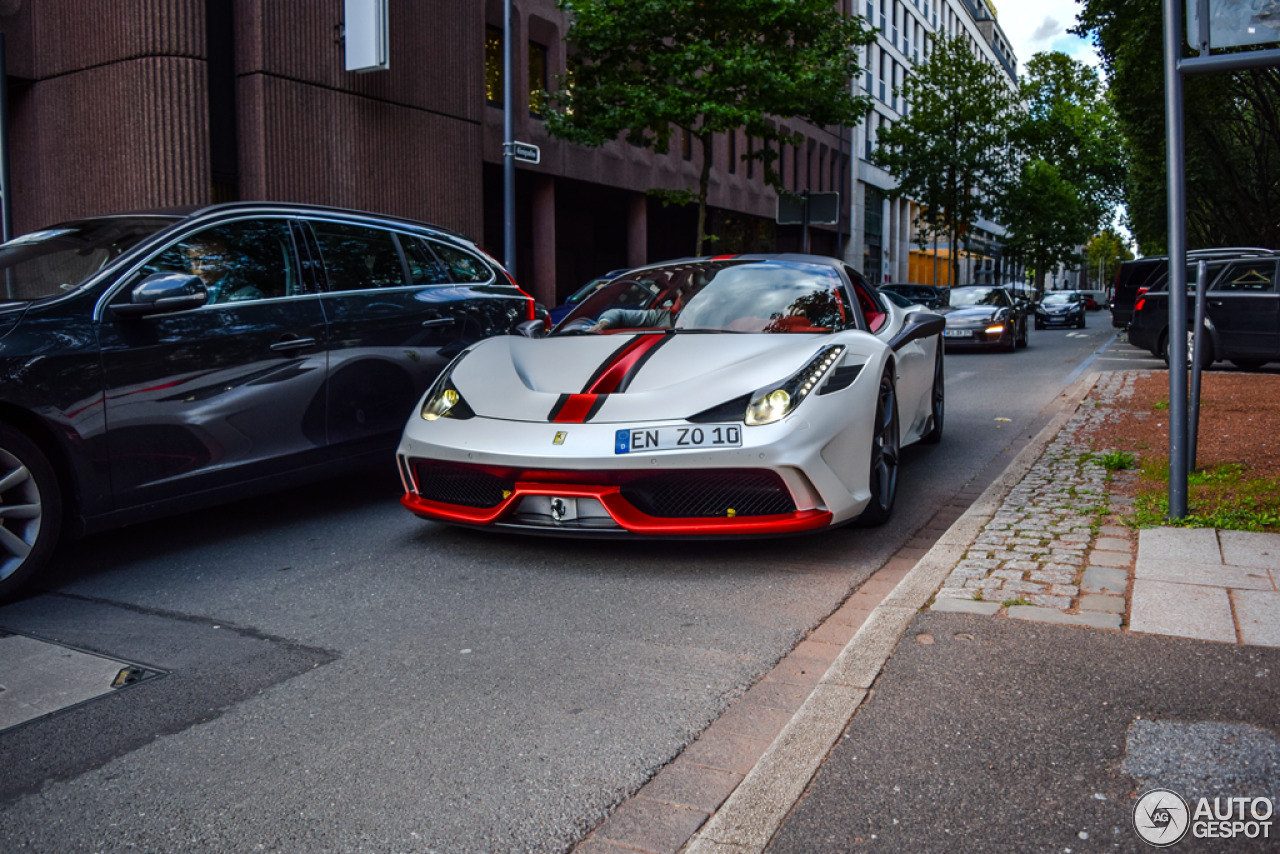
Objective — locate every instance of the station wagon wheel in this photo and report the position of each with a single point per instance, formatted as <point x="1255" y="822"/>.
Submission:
<point x="937" y="402"/>
<point x="30" y="510"/>
<point x="885" y="449"/>
<point x="1206" y="351"/>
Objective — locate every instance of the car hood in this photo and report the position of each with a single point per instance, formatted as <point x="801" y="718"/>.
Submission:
<point x="958" y="316"/>
<point x="635" y="378"/>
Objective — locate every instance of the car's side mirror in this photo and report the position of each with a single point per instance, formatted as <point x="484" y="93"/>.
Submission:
<point x="532" y="329"/>
<point x="919" y="324"/>
<point x="163" y="292"/>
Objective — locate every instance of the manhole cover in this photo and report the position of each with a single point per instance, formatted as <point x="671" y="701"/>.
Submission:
<point x="40" y="677"/>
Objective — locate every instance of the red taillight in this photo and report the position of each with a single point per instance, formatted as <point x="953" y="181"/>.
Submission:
<point x="1140" y="299"/>
<point x="1137" y="306"/>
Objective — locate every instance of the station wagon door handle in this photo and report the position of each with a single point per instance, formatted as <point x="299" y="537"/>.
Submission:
<point x="287" y="345"/>
<point x="437" y="321"/>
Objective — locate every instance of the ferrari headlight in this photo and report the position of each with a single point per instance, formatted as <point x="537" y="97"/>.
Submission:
<point x="443" y="399"/>
<point x="775" y="402"/>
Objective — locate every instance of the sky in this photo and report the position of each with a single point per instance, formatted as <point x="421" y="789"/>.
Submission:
<point x="1033" y="27"/>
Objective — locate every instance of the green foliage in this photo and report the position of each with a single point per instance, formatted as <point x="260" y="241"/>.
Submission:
<point x="1072" y="166"/>
<point x="1118" y="461"/>
<point x="1103" y="255"/>
<point x="949" y="153"/>
<point x="1232" y="134"/>
<point x="649" y="69"/>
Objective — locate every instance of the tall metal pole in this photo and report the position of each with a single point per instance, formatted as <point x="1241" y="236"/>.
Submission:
<point x="508" y="146"/>
<point x="6" y="189"/>
<point x="1174" y="145"/>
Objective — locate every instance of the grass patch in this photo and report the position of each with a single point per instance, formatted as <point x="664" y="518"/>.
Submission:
<point x="1118" y="461"/>
<point x="1160" y="404"/>
<point x="1220" y="497"/>
<point x="1021" y="600"/>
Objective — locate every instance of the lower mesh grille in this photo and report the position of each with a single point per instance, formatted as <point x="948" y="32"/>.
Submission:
<point x="459" y="484"/>
<point x="710" y="493"/>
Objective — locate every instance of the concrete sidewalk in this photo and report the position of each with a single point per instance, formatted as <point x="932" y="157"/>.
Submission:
<point x="1054" y="637"/>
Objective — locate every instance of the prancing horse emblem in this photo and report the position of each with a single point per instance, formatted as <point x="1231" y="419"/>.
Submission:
<point x="560" y="437"/>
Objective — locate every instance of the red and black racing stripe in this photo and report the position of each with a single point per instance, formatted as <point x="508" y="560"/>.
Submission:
<point x="612" y="377"/>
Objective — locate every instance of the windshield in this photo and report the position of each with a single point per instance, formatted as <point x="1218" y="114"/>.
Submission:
<point x="56" y="260"/>
<point x="976" y="296"/>
<point x="1061" y="299"/>
<point x="730" y="295"/>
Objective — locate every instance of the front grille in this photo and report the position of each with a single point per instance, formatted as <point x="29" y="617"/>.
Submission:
<point x="709" y="493"/>
<point x="453" y="483"/>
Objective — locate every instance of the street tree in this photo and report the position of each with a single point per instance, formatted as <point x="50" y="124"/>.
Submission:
<point x="1070" y="164"/>
<point x="1104" y="254"/>
<point x="950" y="153"/>
<point x="648" y="69"/>
<point x="1232" y="134"/>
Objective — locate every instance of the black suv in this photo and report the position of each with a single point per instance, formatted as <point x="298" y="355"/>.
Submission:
<point x="154" y="363"/>
<point x="1242" y="308"/>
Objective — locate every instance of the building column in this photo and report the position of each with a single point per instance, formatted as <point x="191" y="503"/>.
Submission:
<point x="902" y="250"/>
<point x="888" y="245"/>
<point x="637" y="230"/>
<point x="544" y="240"/>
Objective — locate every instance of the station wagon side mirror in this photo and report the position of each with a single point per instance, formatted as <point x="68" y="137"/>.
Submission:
<point x="918" y="324"/>
<point x="163" y="292"/>
<point x="532" y="329"/>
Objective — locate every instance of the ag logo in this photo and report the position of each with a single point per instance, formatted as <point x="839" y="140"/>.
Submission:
<point x="1161" y="817"/>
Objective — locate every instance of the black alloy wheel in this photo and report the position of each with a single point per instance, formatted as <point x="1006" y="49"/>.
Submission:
<point x="885" y="454"/>
<point x="1024" y="339"/>
<point x="30" y="510"/>
<point x="937" y="402"/>
<point x="1012" y="345"/>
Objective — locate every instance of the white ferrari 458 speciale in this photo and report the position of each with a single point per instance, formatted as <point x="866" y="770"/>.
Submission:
<point x="728" y="396"/>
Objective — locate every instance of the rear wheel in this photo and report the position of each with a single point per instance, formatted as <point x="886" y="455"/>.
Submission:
<point x="1206" y="351"/>
<point x="30" y="510"/>
<point x="885" y="449"/>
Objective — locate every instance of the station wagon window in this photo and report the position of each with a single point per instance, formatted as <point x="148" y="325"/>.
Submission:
<point x="1253" y="278"/>
<point x="462" y="267"/>
<point x="357" y="257"/>
<point x="238" y="262"/>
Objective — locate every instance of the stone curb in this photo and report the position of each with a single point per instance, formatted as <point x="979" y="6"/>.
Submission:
<point x="750" y="817"/>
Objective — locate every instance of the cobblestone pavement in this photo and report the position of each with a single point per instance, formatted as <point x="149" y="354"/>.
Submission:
<point x="1054" y="552"/>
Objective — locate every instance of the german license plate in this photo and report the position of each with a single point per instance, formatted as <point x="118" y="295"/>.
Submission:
<point x="636" y="440"/>
<point x="957" y="333"/>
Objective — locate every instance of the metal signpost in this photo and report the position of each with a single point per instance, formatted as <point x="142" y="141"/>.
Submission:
<point x="508" y="148"/>
<point x="1215" y="24"/>
<point x="808" y="209"/>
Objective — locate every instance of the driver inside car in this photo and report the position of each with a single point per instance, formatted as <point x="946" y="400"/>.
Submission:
<point x="641" y="318"/>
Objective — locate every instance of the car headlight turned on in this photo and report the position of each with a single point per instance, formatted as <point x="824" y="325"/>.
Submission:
<point x="443" y="400"/>
<point x="775" y="402"/>
<point x="995" y="329"/>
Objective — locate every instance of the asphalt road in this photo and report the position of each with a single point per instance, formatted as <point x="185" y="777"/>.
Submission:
<point x="341" y="676"/>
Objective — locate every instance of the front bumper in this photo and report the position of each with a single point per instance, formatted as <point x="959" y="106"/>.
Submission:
<point x="566" y="479"/>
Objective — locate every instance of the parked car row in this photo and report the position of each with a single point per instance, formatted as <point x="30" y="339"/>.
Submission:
<point x="1242" y="308"/>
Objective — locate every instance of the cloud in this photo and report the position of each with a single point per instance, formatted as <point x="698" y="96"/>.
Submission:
<point x="1047" y="30"/>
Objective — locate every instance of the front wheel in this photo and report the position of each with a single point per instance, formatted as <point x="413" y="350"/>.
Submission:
<point x="30" y="511"/>
<point x="1025" y="338"/>
<point x="885" y="452"/>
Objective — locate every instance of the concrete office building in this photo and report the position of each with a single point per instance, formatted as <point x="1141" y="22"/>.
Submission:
<point x="886" y="229"/>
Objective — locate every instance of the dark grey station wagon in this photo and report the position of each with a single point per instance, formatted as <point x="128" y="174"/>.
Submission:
<point x="154" y="363"/>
